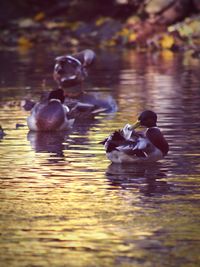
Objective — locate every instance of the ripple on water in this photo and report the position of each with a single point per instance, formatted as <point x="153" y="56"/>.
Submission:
<point x="63" y="203"/>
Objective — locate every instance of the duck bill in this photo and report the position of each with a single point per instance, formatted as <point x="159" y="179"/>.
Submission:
<point x="136" y="124"/>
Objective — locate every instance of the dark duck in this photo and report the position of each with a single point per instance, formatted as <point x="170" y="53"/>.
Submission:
<point x="70" y="71"/>
<point x="128" y="145"/>
<point x="50" y="114"/>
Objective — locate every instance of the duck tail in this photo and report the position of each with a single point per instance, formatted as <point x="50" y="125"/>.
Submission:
<point x="103" y="142"/>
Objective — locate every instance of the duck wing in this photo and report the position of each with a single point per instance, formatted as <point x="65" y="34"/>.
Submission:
<point x="107" y="102"/>
<point x="131" y="148"/>
<point x="116" y="141"/>
<point x="86" y="57"/>
<point x="84" y="111"/>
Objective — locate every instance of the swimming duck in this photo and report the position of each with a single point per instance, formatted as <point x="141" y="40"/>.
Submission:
<point x="70" y="70"/>
<point x="77" y="110"/>
<point x="50" y="114"/>
<point x="127" y="145"/>
<point x="69" y="73"/>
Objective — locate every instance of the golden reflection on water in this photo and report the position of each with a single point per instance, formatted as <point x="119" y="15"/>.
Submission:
<point x="63" y="204"/>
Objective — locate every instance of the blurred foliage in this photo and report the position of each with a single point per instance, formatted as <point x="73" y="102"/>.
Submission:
<point x="156" y="6"/>
<point x="167" y="41"/>
<point x="147" y="24"/>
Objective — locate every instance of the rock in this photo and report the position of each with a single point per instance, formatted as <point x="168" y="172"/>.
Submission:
<point x="157" y="6"/>
<point x="27" y="23"/>
<point x="189" y="28"/>
<point x="175" y="12"/>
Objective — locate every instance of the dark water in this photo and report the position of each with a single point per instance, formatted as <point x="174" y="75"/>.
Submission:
<point x="63" y="204"/>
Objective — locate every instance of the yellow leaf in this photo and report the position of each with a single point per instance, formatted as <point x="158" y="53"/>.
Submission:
<point x="195" y="26"/>
<point x="185" y="31"/>
<point x="133" y="20"/>
<point x="101" y="21"/>
<point x="26" y="23"/>
<point x="167" y="55"/>
<point x="132" y="37"/>
<point x="167" y="41"/>
<point x="23" y="41"/>
<point x="111" y="42"/>
<point x="108" y="43"/>
<point x="75" y="25"/>
<point x="39" y="16"/>
<point x="52" y="24"/>
<point x="124" y="32"/>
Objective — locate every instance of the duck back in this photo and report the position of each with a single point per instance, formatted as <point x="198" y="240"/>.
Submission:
<point x="50" y="117"/>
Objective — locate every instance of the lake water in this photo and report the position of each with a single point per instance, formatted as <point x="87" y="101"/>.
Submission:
<point x="64" y="204"/>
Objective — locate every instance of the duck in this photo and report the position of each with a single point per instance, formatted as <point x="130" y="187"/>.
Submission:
<point x="70" y="71"/>
<point x="50" y="114"/>
<point x="130" y="146"/>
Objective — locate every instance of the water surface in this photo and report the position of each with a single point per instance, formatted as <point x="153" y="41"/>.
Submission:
<point x="64" y="204"/>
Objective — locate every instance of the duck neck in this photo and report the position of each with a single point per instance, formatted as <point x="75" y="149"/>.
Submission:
<point x="153" y="126"/>
<point x="73" y="92"/>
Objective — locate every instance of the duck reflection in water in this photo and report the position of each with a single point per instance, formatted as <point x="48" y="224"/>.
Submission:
<point x="146" y="177"/>
<point x="54" y="143"/>
<point x="49" y="142"/>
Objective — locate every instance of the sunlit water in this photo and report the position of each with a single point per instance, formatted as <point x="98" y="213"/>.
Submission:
<point x="63" y="204"/>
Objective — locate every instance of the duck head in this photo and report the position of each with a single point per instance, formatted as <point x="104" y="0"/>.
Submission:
<point x="70" y="70"/>
<point x="57" y="94"/>
<point x="147" y="118"/>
